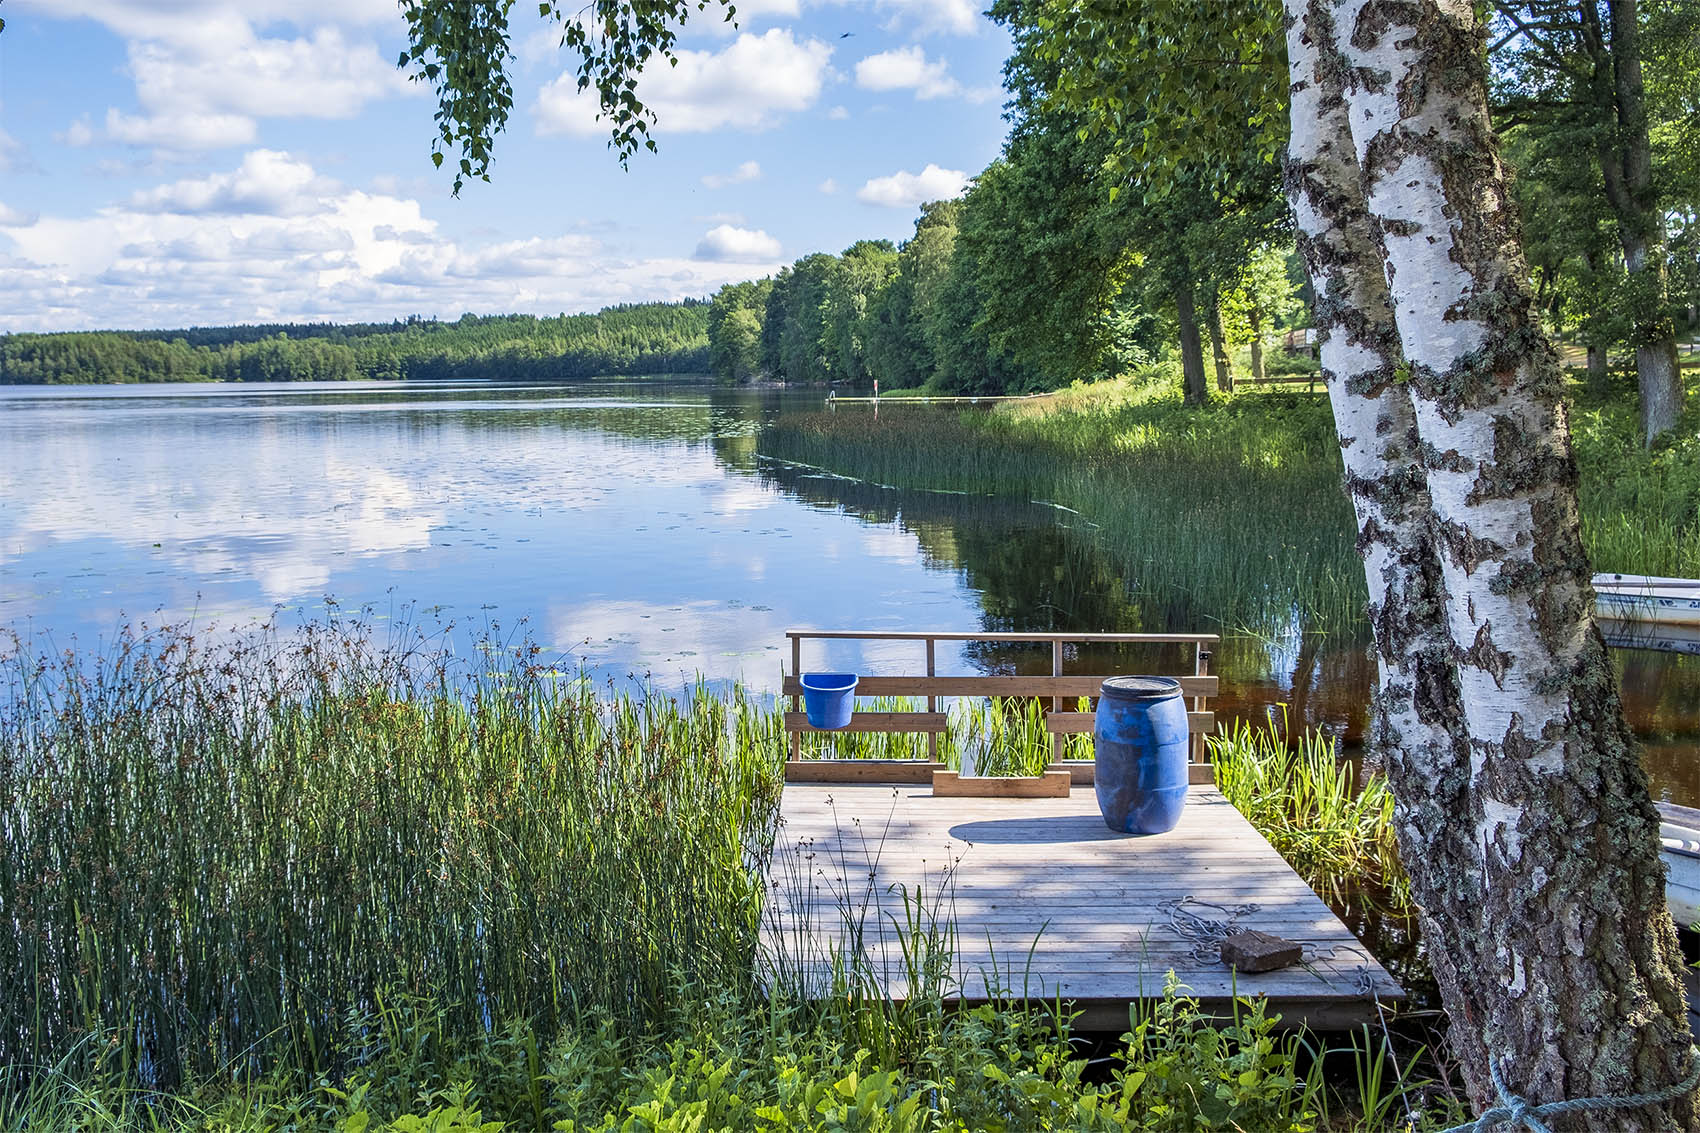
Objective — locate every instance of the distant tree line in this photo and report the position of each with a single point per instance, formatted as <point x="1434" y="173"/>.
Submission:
<point x="649" y="338"/>
<point x="1045" y="272"/>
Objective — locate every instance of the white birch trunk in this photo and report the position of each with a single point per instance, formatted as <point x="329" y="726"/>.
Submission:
<point x="1576" y="957"/>
<point x="1418" y="732"/>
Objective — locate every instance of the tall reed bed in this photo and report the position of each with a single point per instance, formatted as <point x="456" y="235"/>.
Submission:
<point x="217" y="858"/>
<point x="1234" y="514"/>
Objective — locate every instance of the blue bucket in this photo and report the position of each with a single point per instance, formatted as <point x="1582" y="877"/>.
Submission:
<point x="829" y="698"/>
<point x="1141" y="740"/>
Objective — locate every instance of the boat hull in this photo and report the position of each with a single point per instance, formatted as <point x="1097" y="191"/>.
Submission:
<point x="1641" y="598"/>
<point x="1679" y="847"/>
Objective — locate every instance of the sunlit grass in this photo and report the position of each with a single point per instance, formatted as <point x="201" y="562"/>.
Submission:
<point x="1235" y="515"/>
<point x="1333" y="824"/>
<point x="1231" y="517"/>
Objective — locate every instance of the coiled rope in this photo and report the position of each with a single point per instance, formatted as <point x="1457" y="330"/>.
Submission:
<point x="1514" y="1111"/>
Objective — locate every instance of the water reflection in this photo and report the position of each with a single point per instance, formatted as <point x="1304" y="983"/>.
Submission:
<point x="632" y="524"/>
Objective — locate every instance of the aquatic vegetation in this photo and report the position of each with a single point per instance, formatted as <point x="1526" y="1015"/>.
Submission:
<point x="1332" y="823"/>
<point x="1640" y="509"/>
<point x="219" y="859"/>
<point x="1231" y="517"/>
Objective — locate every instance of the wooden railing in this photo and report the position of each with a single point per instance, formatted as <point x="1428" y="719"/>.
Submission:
<point x="1057" y="686"/>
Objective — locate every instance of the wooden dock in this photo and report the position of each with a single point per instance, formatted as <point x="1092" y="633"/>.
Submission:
<point x="1046" y="901"/>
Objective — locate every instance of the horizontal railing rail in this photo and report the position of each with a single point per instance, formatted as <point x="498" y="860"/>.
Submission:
<point x="1056" y="686"/>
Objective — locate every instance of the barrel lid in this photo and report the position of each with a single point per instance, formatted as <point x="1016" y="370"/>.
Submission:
<point x="1141" y="688"/>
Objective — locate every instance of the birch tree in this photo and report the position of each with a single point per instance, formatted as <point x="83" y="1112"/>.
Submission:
<point x="1524" y="816"/>
<point x="1524" y="812"/>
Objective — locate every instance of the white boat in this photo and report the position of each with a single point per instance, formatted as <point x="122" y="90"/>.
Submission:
<point x="1645" y="598"/>
<point x="1679" y="846"/>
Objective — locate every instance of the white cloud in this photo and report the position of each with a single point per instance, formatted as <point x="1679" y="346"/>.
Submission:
<point x="171" y="19"/>
<point x="267" y="183"/>
<point x="907" y="68"/>
<point x="727" y="244"/>
<point x="950" y="17"/>
<point x="204" y="76"/>
<point x="272" y="239"/>
<point x="748" y="171"/>
<point x="78" y="133"/>
<point x="748" y="85"/>
<point x="174" y="130"/>
<point x="909" y="190"/>
<point x="829" y="186"/>
<point x="14" y="155"/>
<point x="838" y="114"/>
<point x="13" y="218"/>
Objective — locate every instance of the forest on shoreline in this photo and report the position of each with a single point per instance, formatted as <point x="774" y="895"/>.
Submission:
<point x="645" y="338"/>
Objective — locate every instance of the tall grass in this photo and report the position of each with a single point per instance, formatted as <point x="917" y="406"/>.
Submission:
<point x="1234" y="515"/>
<point x="1640" y="508"/>
<point x="1332" y="824"/>
<point x="327" y="883"/>
<point x="217" y="860"/>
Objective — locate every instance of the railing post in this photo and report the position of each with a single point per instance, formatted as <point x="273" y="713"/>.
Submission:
<point x="1200" y="668"/>
<point x="797" y="699"/>
<point x="1056" y="701"/>
<point x="932" y="705"/>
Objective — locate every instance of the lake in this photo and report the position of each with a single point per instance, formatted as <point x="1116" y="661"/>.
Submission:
<point x="628" y="528"/>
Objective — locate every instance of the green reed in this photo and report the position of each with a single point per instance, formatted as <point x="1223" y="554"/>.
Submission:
<point x="219" y="859"/>
<point x="1234" y="514"/>
<point x="1332" y="824"/>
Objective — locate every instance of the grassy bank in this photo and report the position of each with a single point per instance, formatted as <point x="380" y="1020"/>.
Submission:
<point x="1233" y="514"/>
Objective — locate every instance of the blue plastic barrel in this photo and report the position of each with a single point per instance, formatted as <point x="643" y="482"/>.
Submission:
<point x="1141" y="739"/>
<point x="829" y="698"/>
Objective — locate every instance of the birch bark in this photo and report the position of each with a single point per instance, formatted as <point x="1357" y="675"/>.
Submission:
<point x="1418" y="734"/>
<point x="1567" y="967"/>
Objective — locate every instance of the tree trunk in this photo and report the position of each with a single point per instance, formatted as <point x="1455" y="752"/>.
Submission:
<point x="1194" y="390"/>
<point x="1565" y="962"/>
<point x="1417" y="730"/>
<point x="1597" y="369"/>
<point x="1256" y="318"/>
<point x="1660" y="374"/>
<point x="1219" y="350"/>
<point x="1626" y="163"/>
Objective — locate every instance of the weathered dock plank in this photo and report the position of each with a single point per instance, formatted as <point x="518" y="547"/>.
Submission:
<point x="1046" y="901"/>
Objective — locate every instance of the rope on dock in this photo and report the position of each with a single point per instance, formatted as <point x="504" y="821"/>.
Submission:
<point x="1205" y="934"/>
<point x="1514" y="1111"/>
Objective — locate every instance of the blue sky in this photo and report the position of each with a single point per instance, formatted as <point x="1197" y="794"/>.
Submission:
<point x="177" y="162"/>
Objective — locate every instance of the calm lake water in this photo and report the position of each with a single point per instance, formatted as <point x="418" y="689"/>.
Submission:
<point x="627" y="527"/>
